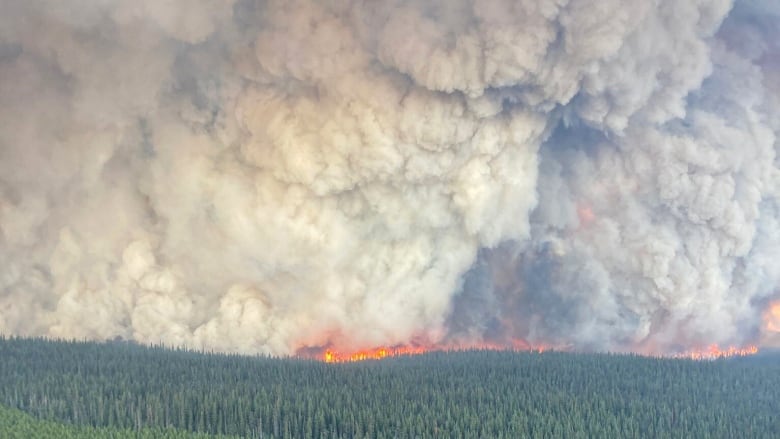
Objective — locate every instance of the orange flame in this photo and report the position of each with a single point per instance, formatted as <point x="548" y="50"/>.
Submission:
<point x="714" y="352"/>
<point x="332" y="356"/>
<point x="711" y="352"/>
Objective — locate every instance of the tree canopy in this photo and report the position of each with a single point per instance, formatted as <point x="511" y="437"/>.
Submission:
<point x="471" y="394"/>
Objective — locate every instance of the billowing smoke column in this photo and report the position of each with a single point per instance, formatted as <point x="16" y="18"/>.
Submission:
<point x="248" y="176"/>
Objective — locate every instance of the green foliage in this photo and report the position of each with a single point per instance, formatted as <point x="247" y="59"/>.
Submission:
<point x="446" y="395"/>
<point x="15" y="424"/>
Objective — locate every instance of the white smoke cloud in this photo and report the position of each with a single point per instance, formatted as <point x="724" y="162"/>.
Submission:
<point x="264" y="176"/>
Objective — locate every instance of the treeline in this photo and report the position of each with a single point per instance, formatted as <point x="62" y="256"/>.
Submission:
<point x="478" y="394"/>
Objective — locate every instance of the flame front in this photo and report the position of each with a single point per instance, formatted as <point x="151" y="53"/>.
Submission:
<point x="332" y="356"/>
<point x="711" y="352"/>
<point x="714" y="352"/>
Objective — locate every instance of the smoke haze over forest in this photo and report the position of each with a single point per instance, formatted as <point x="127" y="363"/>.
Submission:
<point x="270" y="176"/>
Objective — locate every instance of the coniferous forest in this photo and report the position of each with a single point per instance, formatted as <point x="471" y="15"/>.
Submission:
<point x="84" y="389"/>
<point x="15" y="424"/>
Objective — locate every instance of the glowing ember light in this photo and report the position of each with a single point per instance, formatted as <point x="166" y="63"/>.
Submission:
<point x="772" y="317"/>
<point x="714" y="352"/>
<point x="585" y="214"/>
<point x="711" y="352"/>
<point x="331" y="356"/>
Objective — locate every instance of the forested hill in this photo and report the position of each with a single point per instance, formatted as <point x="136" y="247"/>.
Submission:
<point x="15" y="424"/>
<point x="478" y="394"/>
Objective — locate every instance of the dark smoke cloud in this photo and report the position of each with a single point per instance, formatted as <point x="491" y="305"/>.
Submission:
<point x="253" y="176"/>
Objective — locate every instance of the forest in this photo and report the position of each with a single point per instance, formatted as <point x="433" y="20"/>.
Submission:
<point x="120" y="389"/>
<point x="15" y="424"/>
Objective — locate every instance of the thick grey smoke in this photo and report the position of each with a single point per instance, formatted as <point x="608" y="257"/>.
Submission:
<point x="265" y="176"/>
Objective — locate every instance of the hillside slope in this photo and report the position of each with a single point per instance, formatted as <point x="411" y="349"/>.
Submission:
<point x="460" y="394"/>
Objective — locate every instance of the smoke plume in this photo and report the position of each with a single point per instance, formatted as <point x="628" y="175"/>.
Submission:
<point x="266" y="176"/>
